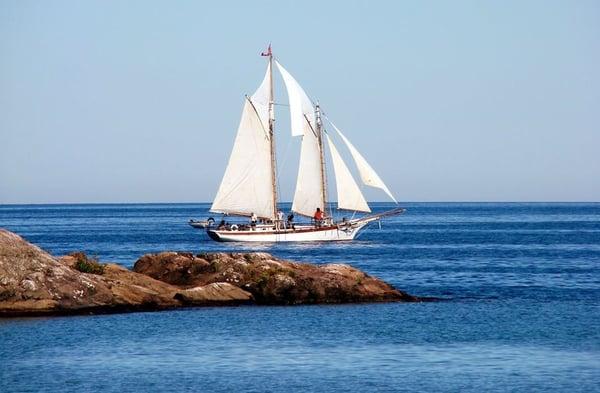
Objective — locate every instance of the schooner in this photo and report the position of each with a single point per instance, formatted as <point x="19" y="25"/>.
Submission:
<point x="249" y="185"/>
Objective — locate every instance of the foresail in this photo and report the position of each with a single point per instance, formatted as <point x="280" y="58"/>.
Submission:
<point x="309" y="194"/>
<point x="348" y="193"/>
<point x="367" y="173"/>
<point x="247" y="186"/>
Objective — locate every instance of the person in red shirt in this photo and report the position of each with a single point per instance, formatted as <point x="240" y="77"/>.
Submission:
<point x="318" y="217"/>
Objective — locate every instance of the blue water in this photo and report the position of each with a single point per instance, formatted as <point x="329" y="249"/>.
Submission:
<point x="522" y="283"/>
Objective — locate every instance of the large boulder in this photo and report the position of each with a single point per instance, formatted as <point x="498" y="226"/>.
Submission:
<point x="175" y="268"/>
<point x="271" y="280"/>
<point x="33" y="281"/>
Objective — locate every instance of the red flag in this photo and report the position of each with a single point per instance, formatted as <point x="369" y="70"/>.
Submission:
<point x="268" y="52"/>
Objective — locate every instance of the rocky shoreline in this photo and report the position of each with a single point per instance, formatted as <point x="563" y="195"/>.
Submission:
<point x="33" y="283"/>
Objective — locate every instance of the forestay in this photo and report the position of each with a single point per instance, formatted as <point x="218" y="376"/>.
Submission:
<point x="367" y="173"/>
<point x="309" y="192"/>
<point x="348" y="192"/>
<point x="247" y="186"/>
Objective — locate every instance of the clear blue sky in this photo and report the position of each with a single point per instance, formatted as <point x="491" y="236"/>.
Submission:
<point x="139" y="101"/>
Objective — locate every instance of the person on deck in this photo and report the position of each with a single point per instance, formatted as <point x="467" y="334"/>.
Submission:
<point x="253" y="219"/>
<point x="318" y="217"/>
<point x="290" y="220"/>
<point x="279" y="220"/>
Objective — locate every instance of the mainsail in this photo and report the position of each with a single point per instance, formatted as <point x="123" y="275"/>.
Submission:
<point x="247" y="186"/>
<point x="367" y="173"/>
<point x="348" y="193"/>
<point x="310" y="188"/>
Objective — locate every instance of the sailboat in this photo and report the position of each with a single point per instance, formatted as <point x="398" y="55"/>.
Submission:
<point x="249" y="185"/>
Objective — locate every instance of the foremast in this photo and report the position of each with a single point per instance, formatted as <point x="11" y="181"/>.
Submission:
<point x="272" y="132"/>
<point x="249" y="184"/>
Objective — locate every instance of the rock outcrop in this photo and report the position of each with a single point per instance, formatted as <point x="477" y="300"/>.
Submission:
<point x="32" y="282"/>
<point x="270" y="280"/>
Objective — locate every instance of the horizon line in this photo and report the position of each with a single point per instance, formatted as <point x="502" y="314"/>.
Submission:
<point x="202" y="203"/>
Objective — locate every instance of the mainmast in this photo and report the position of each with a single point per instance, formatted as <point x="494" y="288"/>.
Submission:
<point x="319" y="126"/>
<point x="272" y="133"/>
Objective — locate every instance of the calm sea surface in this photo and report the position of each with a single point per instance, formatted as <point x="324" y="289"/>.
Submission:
<point x="522" y="283"/>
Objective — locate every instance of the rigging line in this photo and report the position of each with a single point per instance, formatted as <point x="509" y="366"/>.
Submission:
<point x="328" y="119"/>
<point x="259" y="119"/>
<point x="310" y="125"/>
<point x="276" y="104"/>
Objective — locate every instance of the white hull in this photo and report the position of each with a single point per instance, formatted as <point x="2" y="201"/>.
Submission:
<point x="300" y="234"/>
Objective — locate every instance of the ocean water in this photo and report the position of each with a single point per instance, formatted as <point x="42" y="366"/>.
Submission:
<point x="521" y="284"/>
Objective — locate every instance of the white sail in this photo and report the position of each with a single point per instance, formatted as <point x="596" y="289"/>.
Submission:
<point x="247" y="186"/>
<point x="260" y="98"/>
<point x="348" y="193"/>
<point x="300" y="105"/>
<point x="367" y="173"/>
<point x="309" y="185"/>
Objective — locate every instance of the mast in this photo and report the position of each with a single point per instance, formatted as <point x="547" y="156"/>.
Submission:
<point x="272" y="133"/>
<point x="319" y="126"/>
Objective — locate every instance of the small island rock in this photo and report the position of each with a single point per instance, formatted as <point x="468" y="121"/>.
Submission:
<point x="32" y="282"/>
